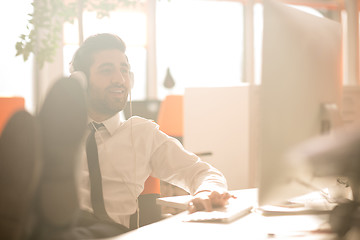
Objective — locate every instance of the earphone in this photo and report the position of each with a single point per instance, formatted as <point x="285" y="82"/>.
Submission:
<point x="134" y="152"/>
<point x="131" y="80"/>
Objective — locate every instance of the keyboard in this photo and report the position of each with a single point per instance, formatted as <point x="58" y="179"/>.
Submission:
<point x="235" y="209"/>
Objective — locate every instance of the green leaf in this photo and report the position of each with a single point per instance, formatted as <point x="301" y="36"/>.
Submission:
<point x="48" y="16"/>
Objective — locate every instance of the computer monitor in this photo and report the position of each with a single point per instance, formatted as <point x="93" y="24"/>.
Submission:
<point x="299" y="91"/>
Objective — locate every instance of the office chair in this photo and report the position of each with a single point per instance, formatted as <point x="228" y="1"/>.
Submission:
<point x="170" y="119"/>
<point x="149" y="212"/>
<point x="168" y="114"/>
<point x="8" y="106"/>
<point x="171" y="122"/>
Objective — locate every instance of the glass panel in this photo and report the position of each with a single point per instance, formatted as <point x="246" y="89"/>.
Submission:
<point x="15" y="74"/>
<point x="201" y="42"/>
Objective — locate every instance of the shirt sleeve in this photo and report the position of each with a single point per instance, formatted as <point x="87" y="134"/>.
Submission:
<point x="170" y="162"/>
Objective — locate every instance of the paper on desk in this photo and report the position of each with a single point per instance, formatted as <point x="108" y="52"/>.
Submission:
<point x="312" y="203"/>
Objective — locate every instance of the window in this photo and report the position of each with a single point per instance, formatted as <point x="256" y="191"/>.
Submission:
<point x="201" y="42"/>
<point x="15" y="75"/>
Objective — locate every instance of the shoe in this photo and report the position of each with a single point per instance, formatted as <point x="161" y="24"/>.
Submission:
<point x="20" y="170"/>
<point x="62" y="120"/>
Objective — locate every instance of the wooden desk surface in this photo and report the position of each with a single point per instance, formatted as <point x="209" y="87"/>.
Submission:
<point x="251" y="226"/>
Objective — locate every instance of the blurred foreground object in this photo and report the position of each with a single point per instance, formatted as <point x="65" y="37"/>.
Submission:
<point x="336" y="155"/>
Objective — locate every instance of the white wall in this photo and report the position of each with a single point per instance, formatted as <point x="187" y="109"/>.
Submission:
<point x="216" y="120"/>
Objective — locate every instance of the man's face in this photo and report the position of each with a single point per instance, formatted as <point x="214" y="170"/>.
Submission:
<point x="109" y="84"/>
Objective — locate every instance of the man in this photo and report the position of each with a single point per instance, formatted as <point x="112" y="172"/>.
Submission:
<point x="130" y="151"/>
<point x="40" y="156"/>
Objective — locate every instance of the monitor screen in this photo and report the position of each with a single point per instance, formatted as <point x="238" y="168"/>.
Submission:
<point x="300" y="87"/>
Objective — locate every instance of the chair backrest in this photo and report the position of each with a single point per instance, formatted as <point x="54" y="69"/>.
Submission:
<point x="152" y="186"/>
<point x="150" y="212"/>
<point x="8" y="106"/>
<point x="171" y="114"/>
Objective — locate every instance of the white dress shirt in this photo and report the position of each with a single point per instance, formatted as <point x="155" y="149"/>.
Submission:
<point x="132" y="150"/>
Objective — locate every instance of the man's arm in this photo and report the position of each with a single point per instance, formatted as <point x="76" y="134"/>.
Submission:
<point x="172" y="163"/>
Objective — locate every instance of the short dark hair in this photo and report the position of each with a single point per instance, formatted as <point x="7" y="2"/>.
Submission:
<point x="83" y="57"/>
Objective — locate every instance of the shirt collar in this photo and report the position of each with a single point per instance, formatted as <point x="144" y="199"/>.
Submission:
<point x="112" y="123"/>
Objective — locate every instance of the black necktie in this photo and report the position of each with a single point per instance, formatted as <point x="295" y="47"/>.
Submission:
<point x="96" y="192"/>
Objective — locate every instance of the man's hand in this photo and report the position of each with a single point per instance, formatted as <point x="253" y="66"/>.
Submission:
<point x="207" y="200"/>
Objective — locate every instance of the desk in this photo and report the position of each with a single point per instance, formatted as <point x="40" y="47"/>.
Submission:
<point x="252" y="226"/>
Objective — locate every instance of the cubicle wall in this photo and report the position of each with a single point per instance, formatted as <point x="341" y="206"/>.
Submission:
<point x="350" y="109"/>
<point x="220" y="121"/>
<point x="216" y="121"/>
